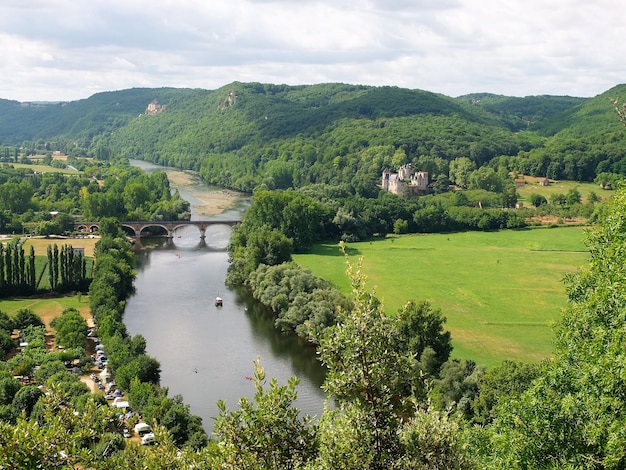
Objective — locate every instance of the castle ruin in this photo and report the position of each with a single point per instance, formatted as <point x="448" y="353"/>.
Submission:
<point x="405" y="181"/>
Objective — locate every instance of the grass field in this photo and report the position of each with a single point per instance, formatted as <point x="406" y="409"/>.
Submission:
<point x="500" y="291"/>
<point x="41" y="244"/>
<point x="532" y="186"/>
<point x="45" y="168"/>
<point x="48" y="308"/>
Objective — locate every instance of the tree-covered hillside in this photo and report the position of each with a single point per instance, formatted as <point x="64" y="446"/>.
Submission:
<point x="248" y="134"/>
<point x="523" y="113"/>
<point x="83" y="122"/>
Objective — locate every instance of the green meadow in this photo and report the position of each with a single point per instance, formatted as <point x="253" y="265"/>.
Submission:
<point x="501" y="292"/>
<point x="532" y="186"/>
<point x="47" y="308"/>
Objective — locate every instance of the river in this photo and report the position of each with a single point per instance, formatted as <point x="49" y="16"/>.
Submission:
<point x="207" y="352"/>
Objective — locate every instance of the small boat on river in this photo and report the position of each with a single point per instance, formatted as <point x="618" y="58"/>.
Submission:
<point x="218" y="301"/>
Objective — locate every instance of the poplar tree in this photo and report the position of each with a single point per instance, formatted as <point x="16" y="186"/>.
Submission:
<point x="55" y="265"/>
<point x="50" y="270"/>
<point x="32" y="275"/>
<point x="2" y="278"/>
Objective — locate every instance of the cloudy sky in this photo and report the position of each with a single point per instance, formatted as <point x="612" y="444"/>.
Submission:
<point x="71" y="49"/>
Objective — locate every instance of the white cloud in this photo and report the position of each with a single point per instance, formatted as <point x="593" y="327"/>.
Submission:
<point x="64" y="49"/>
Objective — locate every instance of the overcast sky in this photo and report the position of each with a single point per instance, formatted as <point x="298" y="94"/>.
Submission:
<point x="71" y="49"/>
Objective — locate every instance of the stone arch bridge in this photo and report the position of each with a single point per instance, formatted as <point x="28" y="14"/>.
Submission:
<point x="169" y="226"/>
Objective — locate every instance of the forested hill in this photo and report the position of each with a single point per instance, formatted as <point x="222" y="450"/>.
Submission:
<point x="244" y="134"/>
<point x="83" y="121"/>
<point x="290" y="135"/>
<point x="530" y="112"/>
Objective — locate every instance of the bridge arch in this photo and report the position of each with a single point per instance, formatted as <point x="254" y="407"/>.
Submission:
<point x="136" y="228"/>
<point x="87" y="227"/>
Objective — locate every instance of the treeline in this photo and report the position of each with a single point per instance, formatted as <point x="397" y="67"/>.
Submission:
<point x="67" y="270"/>
<point x="132" y="369"/>
<point x="46" y="203"/>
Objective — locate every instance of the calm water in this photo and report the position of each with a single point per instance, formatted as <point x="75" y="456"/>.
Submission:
<point x="206" y="352"/>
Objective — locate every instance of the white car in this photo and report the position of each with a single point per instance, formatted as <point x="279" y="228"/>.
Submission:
<point x="148" y="439"/>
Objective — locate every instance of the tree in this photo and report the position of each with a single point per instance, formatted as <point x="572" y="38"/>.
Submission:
<point x="460" y="171"/>
<point x="421" y="327"/>
<point x="26" y="398"/>
<point x="9" y="386"/>
<point x="538" y="200"/>
<point x="368" y="375"/>
<point x="6" y="323"/>
<point x="143" y="367"/>
<point x="486" y="178"/>
<point x="400" y="226"/>
<point x="381" y="420"/>
<point x="6" y="344"/>
<point x="71" y="329"/>
<point x="503" y="382"/>
<point x="558" y="199"/>
<point x="25" y="318"/>
<point x="266" y="432"/>
<point x="48" y="227"/>
<point x="15" y="197"/>
<point x="573" y="196"/>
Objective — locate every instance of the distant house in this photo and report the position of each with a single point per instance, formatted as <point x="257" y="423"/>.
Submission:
<point x="405" y="181"/>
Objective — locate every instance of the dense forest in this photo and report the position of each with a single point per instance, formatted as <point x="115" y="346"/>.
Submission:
<point x="246" y="134"/>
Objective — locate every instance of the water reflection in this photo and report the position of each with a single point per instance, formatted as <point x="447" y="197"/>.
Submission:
<point x="206" y="352"/>
<point x="173" y="308"/>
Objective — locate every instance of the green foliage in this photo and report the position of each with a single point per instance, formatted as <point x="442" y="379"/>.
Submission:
<point x="457" y="386"/>
<point x="421" y="327"/>
<point x="71" y="329"/>
<point x="6" y="344"/>
<point x="144" y="368"/>
<point x="302" y="302"/>
<point x="9" y="386"/>
<point x="503" y="382"/>
<point x="267" y="432"/>
<point x="370" y="341"/>
<point x="460" y="171"/>
<point x="378" y="422"/>
<point x="432" y="440"/>
<point x="26" y="398"/>
<point x="25" y="318"/>
<point x="538" y="200"/>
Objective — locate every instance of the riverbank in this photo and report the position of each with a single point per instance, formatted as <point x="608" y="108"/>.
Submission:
<point x="212" y="201"/>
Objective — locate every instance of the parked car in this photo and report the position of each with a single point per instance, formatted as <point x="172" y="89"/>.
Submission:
<point x="148" y="439"/>
<point x="142" y="429"/>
